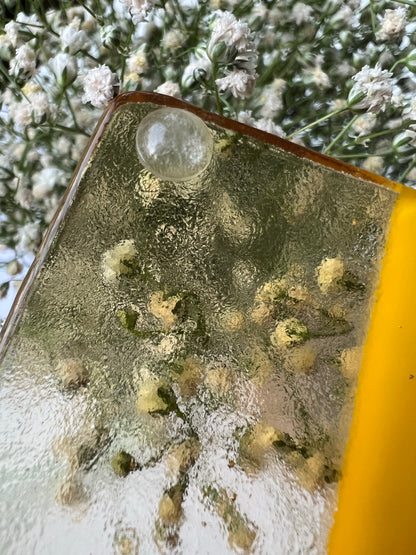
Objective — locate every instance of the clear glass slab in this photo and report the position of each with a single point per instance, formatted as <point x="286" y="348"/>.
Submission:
<point x="181" y="376"/>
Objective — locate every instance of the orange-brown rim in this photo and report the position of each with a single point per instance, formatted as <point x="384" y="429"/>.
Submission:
<point x="159" y="99"/>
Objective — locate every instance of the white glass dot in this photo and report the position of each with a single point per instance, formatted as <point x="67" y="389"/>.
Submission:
<point x="174" y="144"/>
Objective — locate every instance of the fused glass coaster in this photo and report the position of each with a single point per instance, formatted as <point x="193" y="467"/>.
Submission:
<point x="179" y="373"/>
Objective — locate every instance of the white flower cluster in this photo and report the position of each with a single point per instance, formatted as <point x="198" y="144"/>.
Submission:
<point x="31" y="108"/>
<point x="199" y="65"/>
<point x="301" y="13"/>
<point x="239" y="82"/>
<point x="265" y="124"/>
<point x="393" y="24"/>
<point x="73" y="38"/>
<point x="373" y="89"/>
<point x="138" y="9"/>
<point x="24" y="61"/>
<point x="98" y="86"/>
<point x="231" y="44"/>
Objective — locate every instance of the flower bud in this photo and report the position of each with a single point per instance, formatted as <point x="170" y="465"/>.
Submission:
<point x="402" y="142"/>
<point x="216" y="52"/>
<point x="65" y="68"/>
<point x="355" y="96"/>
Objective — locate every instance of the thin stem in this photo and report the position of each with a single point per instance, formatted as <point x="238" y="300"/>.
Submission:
<point x="71" y="110"/>
<point x="364" y="154"/>
<point x="217" y="94"/>
<point x="364" y="138"/>
<point x="86" y="8"/>
<point x="393" y="67"/>
<point x="407" y="170"/>
<point x="340" y="134"/>
<point x="217" y="99"/>
<point x="407" y="2"/>
<point x="323" y="118"/>
<point x="373" y="17"/>
<point x="58" y="126"/>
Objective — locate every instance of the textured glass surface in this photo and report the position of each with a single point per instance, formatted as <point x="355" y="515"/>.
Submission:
<point x="183" y="376"/>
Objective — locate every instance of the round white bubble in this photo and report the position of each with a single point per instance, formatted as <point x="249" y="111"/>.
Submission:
<point x="174" y="144"/>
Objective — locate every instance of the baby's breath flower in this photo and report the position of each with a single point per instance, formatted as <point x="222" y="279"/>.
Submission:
<point x="374" y="164"/>
<point x="301" y="13"/>
<point x="65" y="68"/>
<point x="199" y="65"/>
<point x="45" y="181"/>
<point x="63" y="145"/>
<point x="23" y="197"/>
<point x="28" y="238"/>
<point x="98" y="86"/>
<point x="24" y="61"/>
<point x="336" y="104"/>
<point x="31" y="22"/>
<point x="259" y="12"/>
<point x="12" y="32"/>
<point x="229" y="37"/>
<point x="373" y="89"/>
<point x="364" y="124"/>
<point x="138" y="9"/>
<point x="137" y="62"/>
<point x="246" y="118"/>
<point x="228" y="29"/>
<point x="239" y="82"/>
<point x="318" y="77"/>
<point x="173" y="39"/>
<point x="16" y="151"/>
<point x="21" y="114"/>
<point x="73" y="39"/>
<point x="271" y="99"/>
<point x="266" y="124"/>
<point x="32" y="108"/>
<point x="169" y="88"/>
<point x="393" y="24"/>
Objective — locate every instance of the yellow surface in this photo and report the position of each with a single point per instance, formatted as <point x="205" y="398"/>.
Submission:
<point x="377" y="504"/>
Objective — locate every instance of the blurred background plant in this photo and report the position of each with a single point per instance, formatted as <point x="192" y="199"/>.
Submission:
<point x="337" y="76"/>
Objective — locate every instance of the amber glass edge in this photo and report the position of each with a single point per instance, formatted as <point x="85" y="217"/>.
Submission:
<point x="16" y="310"/>
<point x="233" y="125"/>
